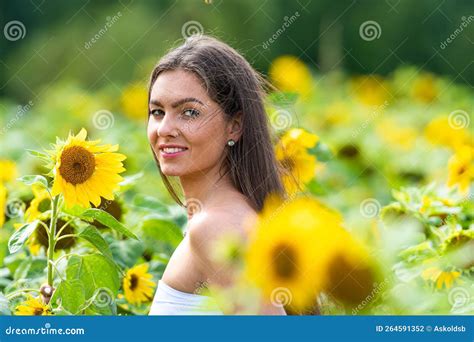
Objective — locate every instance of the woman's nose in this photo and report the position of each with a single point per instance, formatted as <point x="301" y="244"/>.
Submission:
<point x="167" y="126"/>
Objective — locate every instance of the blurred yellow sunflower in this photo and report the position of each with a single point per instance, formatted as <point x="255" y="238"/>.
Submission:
<point x="83" y="172"/>
<point x="395" y="135"/>
<point x="371" y="90"/>
<point x="351" y="273"/>
<point x="461" y="168"/>
<point x="3" y="203"/>
<point x="440" y="132"/>
<point x="440" y="277"/>
<point x="289" y="73"/>
<point x="424" y="88"/>
<point x="283" y="256"/>
<point x="40" y="203"/>
<point x="33" y="307"/>
<point x="138" y="285"/>
<point x="8" y="170"/>
<point x="134" y="101"/>
<point x="292" y="153"/>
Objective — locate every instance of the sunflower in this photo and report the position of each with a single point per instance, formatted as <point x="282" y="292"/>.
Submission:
<point x="290" y="74"/>
<point x="33" y="307"/>
<point x="283" y="256"/>
<point x="40" y="203"/>
<point x="41" y="236"/>
<point x="424" y="88"/>
<point x="135" y="101"/>
<point x="84" y="172"/>
<point x="395" y="135"/>
<point x="440" y="132"/>
<point x="298" y="164"/>
<point x="461" y="168"/>
<point x="3" y="203"/>
<point x="351" y="274"/>
<point x="138" y="285"/>
<point x="440" y="277"/>
<point x="8" y="170"/>
<point x="371" y="90"/>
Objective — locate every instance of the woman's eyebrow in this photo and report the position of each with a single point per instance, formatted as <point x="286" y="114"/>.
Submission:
<point x="177" y="103"/>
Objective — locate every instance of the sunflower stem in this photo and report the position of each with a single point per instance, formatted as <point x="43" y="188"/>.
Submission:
<point x="63" y="227"/>
<point x="52" y="241"/>
<point x="65" y="237"/>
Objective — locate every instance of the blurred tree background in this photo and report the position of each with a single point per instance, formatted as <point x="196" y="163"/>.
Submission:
<point x="325" y="35"/>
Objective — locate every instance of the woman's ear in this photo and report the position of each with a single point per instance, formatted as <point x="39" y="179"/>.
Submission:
<point x="234" y="127"/>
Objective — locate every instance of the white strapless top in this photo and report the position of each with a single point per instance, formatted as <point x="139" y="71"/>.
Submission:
<point x="168" y="301"/>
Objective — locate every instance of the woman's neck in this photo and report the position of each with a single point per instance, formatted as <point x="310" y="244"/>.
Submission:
<point x="204" y="188"/>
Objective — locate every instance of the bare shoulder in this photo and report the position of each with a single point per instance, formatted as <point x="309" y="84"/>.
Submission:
<point x="217" y="221"/>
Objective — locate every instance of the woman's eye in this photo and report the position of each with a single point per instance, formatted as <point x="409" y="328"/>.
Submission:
<point x="157" y="112"/>
<point x="192" y="113"/>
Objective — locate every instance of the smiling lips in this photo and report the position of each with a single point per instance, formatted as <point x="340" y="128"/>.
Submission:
<point x="171" y="151"/>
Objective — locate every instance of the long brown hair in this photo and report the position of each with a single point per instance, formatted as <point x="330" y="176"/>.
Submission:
<point x="238" y="89"/>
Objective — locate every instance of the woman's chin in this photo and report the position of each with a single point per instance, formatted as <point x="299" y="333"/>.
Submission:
<point x="171" y="172"/>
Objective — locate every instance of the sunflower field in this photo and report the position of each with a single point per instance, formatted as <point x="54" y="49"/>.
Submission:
<point x="372" y="126"/>
<point x="380" y="219"/>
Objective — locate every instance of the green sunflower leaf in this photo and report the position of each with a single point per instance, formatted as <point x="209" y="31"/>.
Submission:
<point x="94" y="271"/>
<point x="70" y="294"/>
<point x="38" y="154"/>
<point x="34" y="179"/>
<point x="92" y="235"/>
<point x="107" y="220"/>
<point x="150" y="204"/>
<point x="19" y="237"/>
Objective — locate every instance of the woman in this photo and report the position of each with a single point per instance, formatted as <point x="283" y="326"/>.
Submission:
<point x="207" y="126"/>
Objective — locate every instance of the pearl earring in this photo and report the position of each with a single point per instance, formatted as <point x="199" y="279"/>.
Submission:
<point x="230" y="142"/>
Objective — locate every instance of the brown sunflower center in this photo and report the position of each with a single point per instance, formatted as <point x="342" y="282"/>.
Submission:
<point x="350" y="281"/>
<point x="284" y="259"/>
<point x="42" y="235"/>
<point x="133" y="282"/>
<point x="462" y="169"/>
<point x="77" y="165"/>
<point x="38" y="312"/>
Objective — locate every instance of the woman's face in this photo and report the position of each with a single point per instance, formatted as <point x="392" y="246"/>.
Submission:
<point x="186" y="129"/>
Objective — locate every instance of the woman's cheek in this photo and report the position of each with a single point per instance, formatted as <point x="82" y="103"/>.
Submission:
<point x="152" y="132"/>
